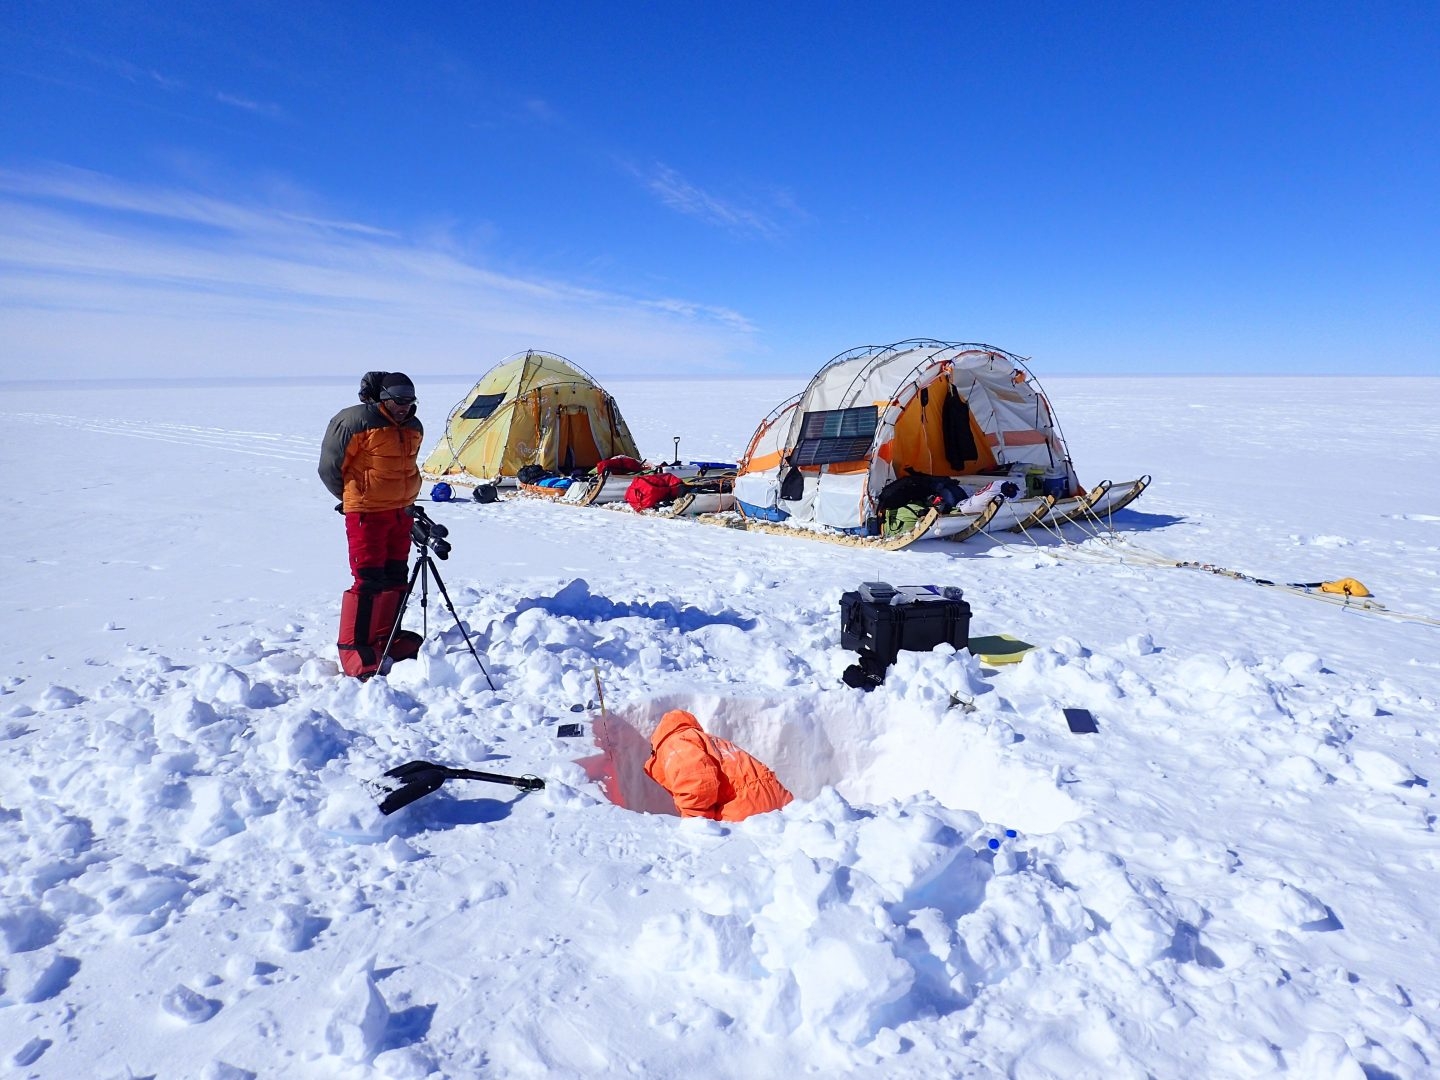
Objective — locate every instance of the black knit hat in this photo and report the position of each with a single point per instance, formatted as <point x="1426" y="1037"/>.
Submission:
<point x="397" y="385"/>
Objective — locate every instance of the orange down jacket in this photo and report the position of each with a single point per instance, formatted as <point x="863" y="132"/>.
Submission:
<point x="367" y="460"/>
<point x="707" y="776"/>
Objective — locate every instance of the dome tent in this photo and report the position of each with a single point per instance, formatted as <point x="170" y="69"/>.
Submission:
<point x="880" y="413"/>
<point x="533" y="408"/>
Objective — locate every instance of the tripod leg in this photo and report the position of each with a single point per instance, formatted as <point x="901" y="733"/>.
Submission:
<point x="400" y="613"/>
<point x="440" y="584"/>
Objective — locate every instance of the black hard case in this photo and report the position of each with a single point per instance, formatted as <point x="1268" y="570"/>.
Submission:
<point x="872" y="626"/>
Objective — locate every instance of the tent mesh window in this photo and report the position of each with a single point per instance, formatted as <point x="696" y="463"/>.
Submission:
<point x="836" y="435"/>
<point x="482" y="406"/>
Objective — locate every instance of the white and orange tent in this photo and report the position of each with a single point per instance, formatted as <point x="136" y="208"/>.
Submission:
<point x="879" y="413"/>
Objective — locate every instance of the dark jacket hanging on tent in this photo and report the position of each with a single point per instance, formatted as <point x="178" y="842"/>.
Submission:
<point x="960" y="448"/>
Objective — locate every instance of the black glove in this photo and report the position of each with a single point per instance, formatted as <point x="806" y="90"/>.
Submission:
<point x="340" y="508"/>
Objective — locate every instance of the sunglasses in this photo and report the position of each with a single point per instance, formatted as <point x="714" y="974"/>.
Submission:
<point x="400" y="402"/>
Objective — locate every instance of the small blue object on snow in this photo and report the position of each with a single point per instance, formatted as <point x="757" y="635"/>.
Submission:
<point x="994" y="844"/>
<point x="441" y="492"/>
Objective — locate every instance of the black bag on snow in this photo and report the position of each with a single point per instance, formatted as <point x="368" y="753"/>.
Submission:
<point x="878" y="620"/>
<point x="922" y="489"/>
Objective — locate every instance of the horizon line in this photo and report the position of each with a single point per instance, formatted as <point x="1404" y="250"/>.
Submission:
<point x="202" y="381"/>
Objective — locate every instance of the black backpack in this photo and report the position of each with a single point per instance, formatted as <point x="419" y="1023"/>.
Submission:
<point x="921" y="489"/>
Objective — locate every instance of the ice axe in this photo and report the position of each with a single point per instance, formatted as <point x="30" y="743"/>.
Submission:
<point x="404" y="784"/>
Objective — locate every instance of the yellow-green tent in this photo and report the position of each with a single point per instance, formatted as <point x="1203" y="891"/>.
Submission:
<point x="533" y="408"/>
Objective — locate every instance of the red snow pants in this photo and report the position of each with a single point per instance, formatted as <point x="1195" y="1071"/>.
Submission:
<point x="379" y="546"/>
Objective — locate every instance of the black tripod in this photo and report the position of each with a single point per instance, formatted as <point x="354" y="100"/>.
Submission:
<point x="426" y="534"/>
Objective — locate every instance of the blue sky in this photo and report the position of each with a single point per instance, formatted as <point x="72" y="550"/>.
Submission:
<point x="321" y="188"/>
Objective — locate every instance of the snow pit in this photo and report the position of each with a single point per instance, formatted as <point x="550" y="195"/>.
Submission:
<point x="891" y="751"/>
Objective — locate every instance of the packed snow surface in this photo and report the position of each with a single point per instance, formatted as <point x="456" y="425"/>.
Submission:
<point x="1236" y="876"/>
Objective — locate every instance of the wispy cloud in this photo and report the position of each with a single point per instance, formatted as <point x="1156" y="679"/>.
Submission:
<point x="261" y="108"/>
<point x="539" y="109"/>
<point x="149" y="77"/>
<point x="704" y="312"/>
<point x="681" y="195"/>
<point x="136" y="74"/>
<point x="99" y="277"/>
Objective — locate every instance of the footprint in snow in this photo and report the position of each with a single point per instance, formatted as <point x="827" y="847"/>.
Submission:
<point x="295" y="929"/>
<point x="30" y="1053"/>
<point x="188" y="1006"/>
<point x="25" y="928"/>
<point x="58" y="697"/>
<point x="50" y="981"/>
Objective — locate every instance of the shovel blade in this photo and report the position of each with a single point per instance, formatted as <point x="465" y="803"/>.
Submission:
<point x="406" y="788"/>
<point x="414" y="768"/>
<point x="403" y="784"/>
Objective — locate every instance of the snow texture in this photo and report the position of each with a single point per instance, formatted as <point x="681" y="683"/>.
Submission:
<point x="1235" y="876"/>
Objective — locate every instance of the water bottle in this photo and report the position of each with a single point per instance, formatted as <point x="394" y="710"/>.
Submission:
<point x="1004" y="857"/>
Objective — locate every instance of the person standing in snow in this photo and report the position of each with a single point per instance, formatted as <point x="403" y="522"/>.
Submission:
<point x="708" y="776"/>
<point x="368" y="462"/>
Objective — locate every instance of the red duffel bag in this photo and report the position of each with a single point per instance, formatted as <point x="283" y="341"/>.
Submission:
<point x="649" y="491"/>
<point x="620" y="465"/>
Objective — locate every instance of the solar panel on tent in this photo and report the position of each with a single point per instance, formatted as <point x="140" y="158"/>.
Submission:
<point x="836" y="435"/>
<point x="482" y="406"/>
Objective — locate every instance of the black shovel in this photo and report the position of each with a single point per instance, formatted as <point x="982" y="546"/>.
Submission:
<point x="404" y="784"/>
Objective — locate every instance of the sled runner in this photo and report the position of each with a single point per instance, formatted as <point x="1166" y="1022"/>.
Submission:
<point x="1097" y="504"/>
<point x="696" y="503"/>
<point x="667" y="490"/>
<point x="954" y="527"/>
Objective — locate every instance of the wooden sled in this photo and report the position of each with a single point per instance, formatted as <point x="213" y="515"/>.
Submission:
<point x="1096" y="504"/>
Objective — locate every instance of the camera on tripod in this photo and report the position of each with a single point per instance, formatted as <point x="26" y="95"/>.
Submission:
<point x="426" y="533"/>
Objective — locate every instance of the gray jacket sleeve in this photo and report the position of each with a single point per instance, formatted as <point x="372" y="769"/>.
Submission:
<point x="332" y="451"/>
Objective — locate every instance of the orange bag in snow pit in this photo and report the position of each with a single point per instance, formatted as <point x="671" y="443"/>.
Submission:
<point x="709" y="776"/>
<point x="649" y="491"/>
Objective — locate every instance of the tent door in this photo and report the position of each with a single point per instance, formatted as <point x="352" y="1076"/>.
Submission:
<point x="576" y="447"/>
<point x="937" y="434"/>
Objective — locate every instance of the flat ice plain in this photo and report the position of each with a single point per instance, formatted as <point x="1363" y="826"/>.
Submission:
<point x="1236" y="876"/>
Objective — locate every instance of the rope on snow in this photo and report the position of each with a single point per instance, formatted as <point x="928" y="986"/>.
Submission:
<point x="1346" y="593"/>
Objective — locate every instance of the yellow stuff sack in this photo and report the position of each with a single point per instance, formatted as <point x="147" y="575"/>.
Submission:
<point x="1345" y="586"/>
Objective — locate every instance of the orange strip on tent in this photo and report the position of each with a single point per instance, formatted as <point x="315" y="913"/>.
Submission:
<point x="1017" y="438"/>
<point x="765" y="462"/>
